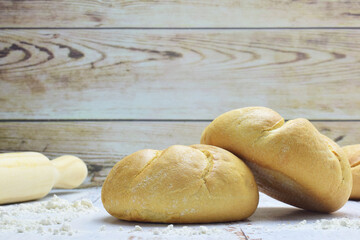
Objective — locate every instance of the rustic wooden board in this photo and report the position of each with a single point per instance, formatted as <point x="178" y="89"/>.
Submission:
<point x="272" y="220"/>
<point x="178" y="74"/>
<point x="180" y="13"/>
<point x="102" y="144"/>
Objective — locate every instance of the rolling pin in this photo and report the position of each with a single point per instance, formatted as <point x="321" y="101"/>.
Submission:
<point x="28" y="176"/>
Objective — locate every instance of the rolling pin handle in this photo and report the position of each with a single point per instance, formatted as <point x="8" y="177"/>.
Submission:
<point x="72" y="171"/>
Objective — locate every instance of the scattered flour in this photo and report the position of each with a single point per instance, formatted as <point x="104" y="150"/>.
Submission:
<point x="337" y="223"/>
<point x="183" y="231"/>
<point x="322" y="224"/>
<point x="137" y="228"/>
<point x="302" y="223"/>
<point x="102" y="228"/>
<point x="334" y="223"/>
<point x="186" y="231"/>
<point x="46" y="217"/>
<point x="55" y="215"/>
<point x="325" y="224"/>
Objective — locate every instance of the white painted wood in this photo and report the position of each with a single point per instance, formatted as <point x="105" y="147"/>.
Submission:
<point x="272" y="220"/>
<point x="178" y="74"/>
<point x="179" y="13"/>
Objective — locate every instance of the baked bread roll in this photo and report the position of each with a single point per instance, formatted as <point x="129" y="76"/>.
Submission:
<point x="180" y="184"/>
<point x="353" y="153"/>
<point x="291" y="161"/>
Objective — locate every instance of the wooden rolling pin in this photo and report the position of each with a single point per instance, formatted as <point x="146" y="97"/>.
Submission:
<point x="28" y="176"/>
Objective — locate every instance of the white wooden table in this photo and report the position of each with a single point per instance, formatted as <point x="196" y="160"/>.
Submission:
<point x="272" y="220"/>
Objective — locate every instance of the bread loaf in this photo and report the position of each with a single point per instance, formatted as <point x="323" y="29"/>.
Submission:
<point x="291" y="161"/>
<point x="353" y="153"/>
<point x="180" y="184"/>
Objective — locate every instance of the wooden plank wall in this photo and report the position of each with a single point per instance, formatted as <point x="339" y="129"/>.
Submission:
<point x="179" y="13"/>
<point x="102" y="79"/>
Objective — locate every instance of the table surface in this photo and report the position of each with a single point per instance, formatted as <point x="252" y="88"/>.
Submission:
<point x="272" y="220"/>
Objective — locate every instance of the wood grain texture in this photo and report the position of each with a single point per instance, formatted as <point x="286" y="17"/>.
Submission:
<point x="102" y="144"/>
<point x="180" y="13"/>
<point x="178" y="74"/>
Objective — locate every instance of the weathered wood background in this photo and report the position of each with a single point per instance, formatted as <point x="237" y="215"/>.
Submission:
<point x="102" y="79"/>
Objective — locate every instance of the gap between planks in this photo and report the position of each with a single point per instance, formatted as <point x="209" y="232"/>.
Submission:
<point x="180" y="28"/>
<point x="149" y="120"/>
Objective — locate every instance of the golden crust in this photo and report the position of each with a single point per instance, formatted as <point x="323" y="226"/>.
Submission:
<point x="291" y="161"/>
<point x="181" y="184"/>
<point x="353" y="153"/>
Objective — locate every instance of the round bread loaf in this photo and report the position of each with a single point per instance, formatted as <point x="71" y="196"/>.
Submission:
<point x="291" y="161"/>
<point x="180" y="184"/>
<point x="353" y="153"/>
